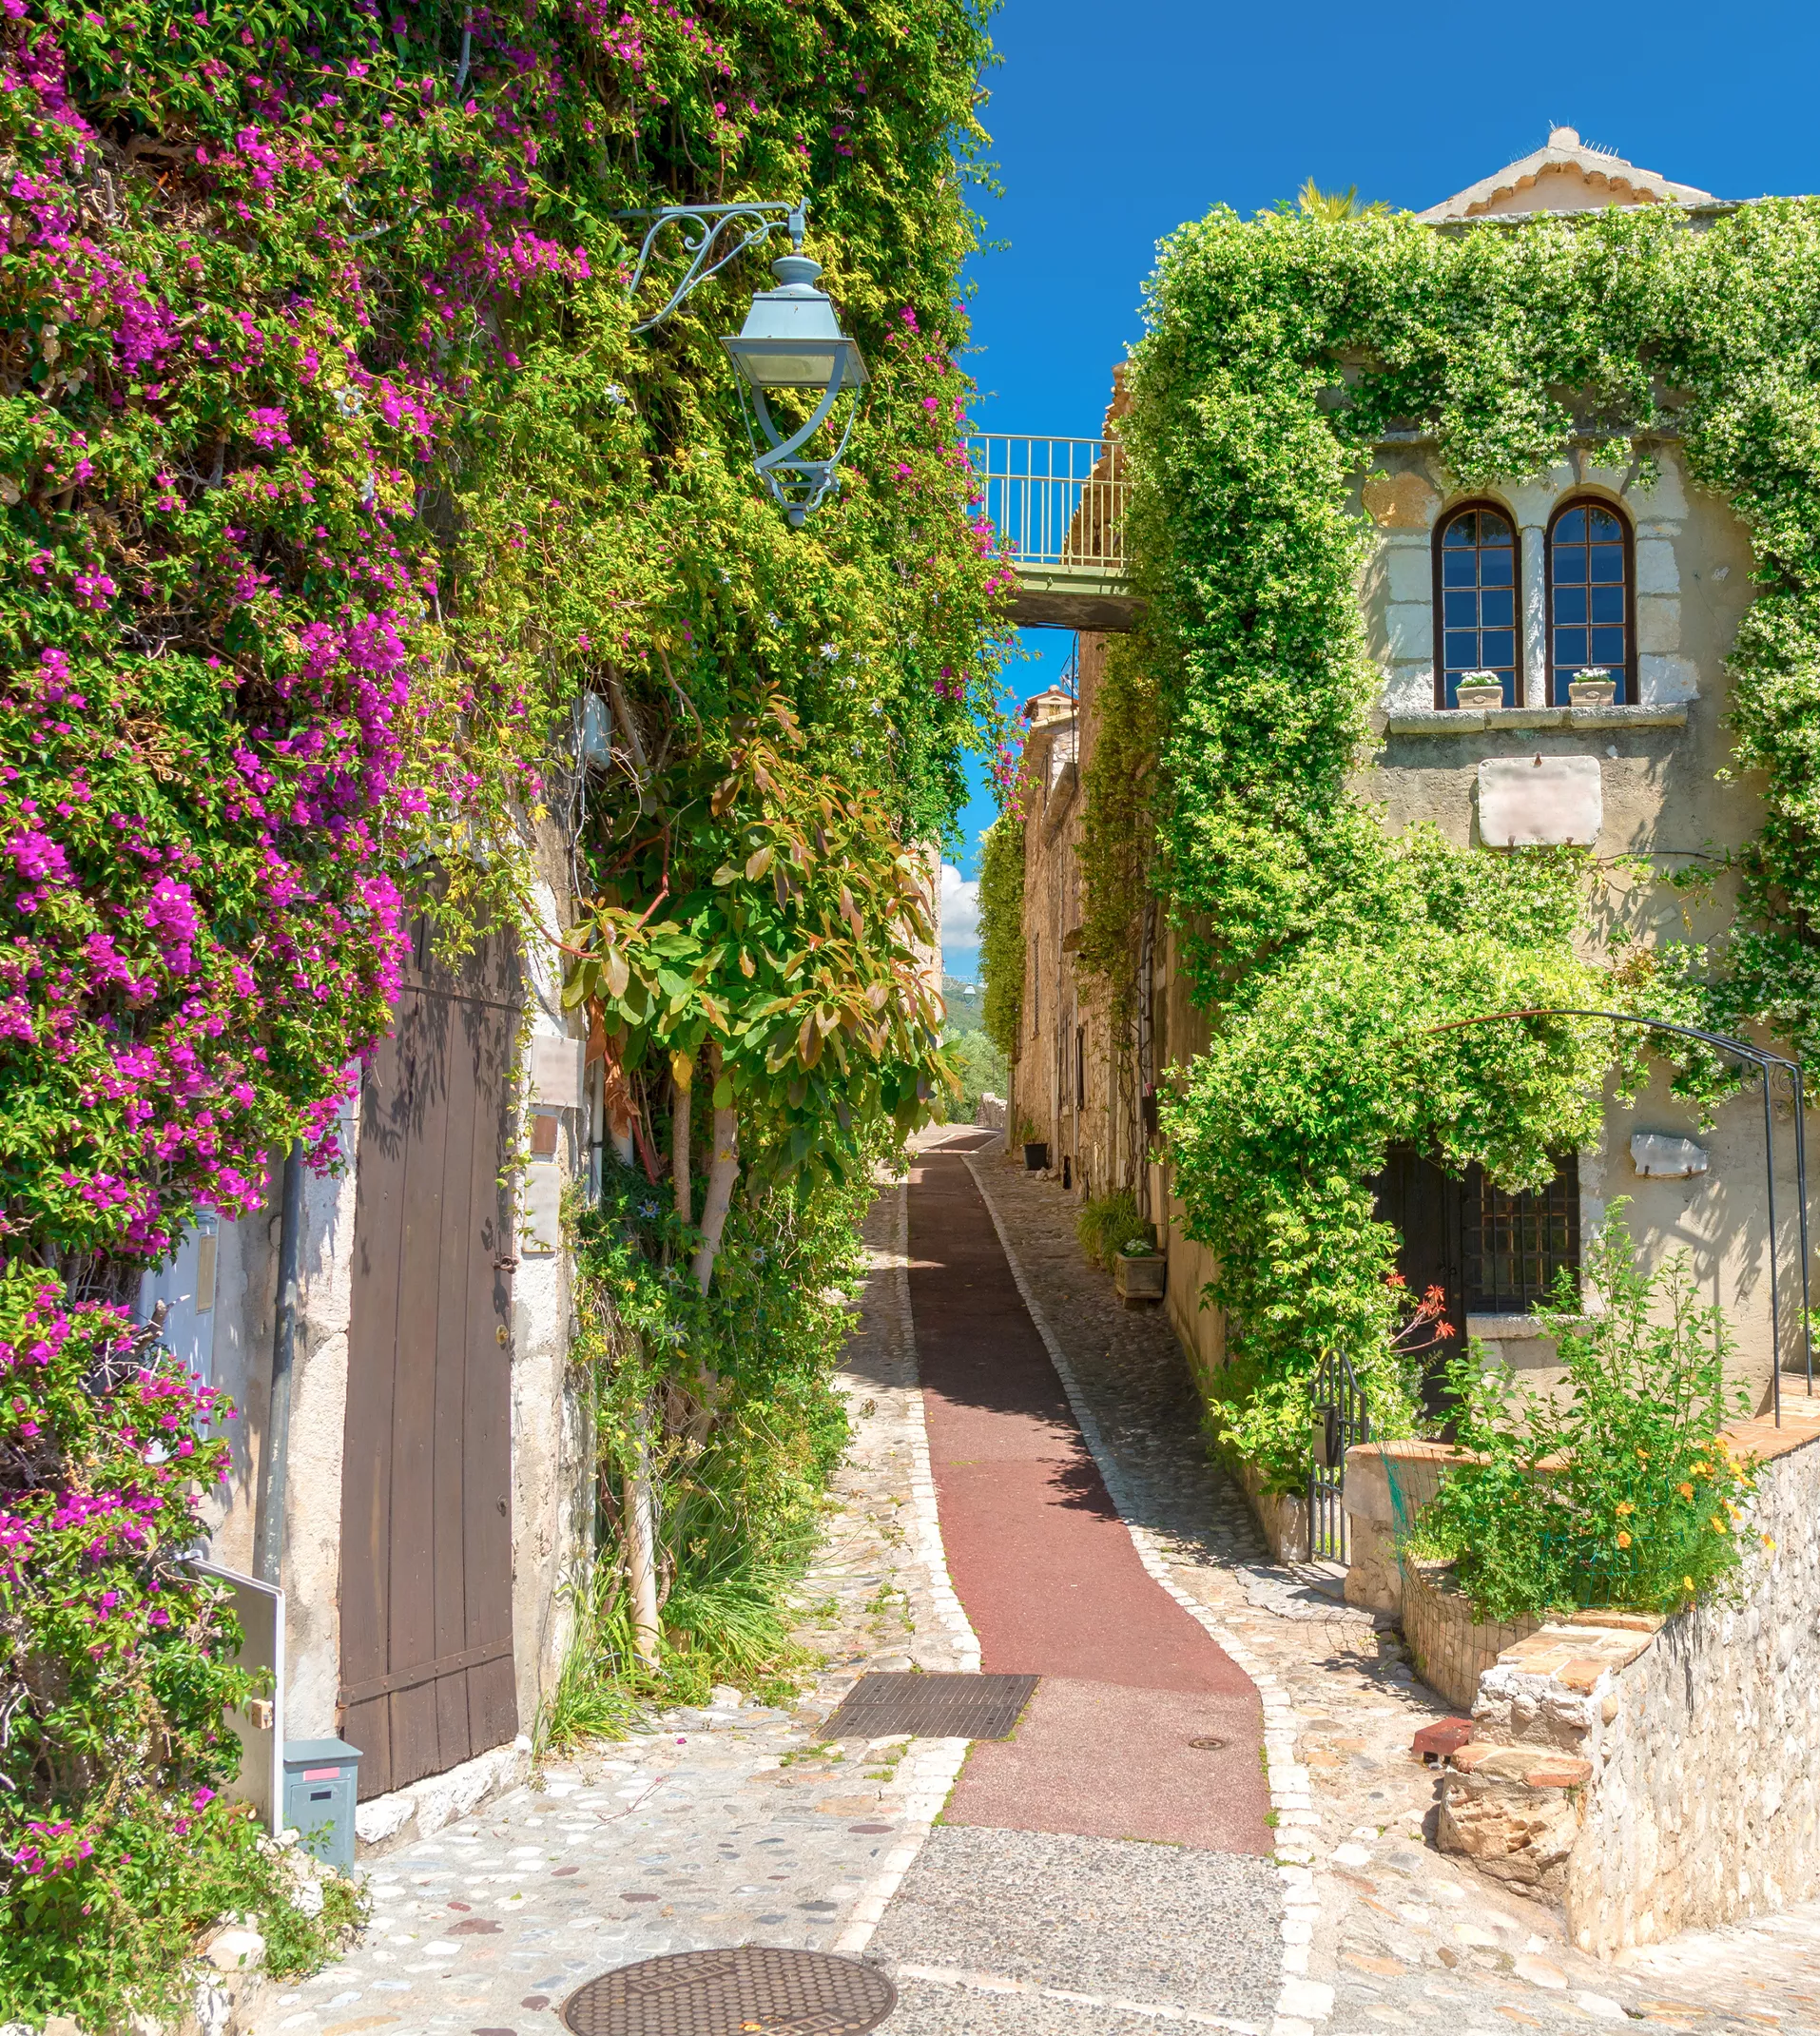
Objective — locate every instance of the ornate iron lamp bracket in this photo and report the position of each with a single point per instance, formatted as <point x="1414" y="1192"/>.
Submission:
<point x="711" y="236"/>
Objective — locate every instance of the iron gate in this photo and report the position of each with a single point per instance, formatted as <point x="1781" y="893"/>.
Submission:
<point x="1339" y="1420"/>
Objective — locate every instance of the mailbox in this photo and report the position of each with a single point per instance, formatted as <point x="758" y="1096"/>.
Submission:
<point x="320" y="1781"/>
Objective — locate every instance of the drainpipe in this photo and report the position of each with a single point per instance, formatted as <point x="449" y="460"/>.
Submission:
<point x="268" y="1520"/>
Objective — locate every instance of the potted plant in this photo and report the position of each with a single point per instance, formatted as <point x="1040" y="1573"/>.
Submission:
<point x="1592" y="687"/>
<point x="1035" y="1149"/>
<point x="1479" y="689"/>
<point x="1140" y="1272"/>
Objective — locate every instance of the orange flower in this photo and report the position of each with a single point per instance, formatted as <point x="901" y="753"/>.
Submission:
<point x="1686" y="1490"/>
<point x="1624" y="1506"/>
<point x="1623" y="1541"/>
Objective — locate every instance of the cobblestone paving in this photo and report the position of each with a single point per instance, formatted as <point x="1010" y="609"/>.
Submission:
<point x="1406" y="1938"/>
<point x="743" y="1823"/>
<point x="730" y="1823"/>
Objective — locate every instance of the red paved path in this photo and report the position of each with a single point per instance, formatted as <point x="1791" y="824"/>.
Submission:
<point x="1050" y="1580"/>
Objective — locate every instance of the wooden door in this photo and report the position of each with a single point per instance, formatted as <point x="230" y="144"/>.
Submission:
<point x="427" y="1676"/>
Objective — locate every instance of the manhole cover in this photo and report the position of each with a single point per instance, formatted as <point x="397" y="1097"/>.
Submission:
<point x="1208" y="1746"/>
<point x="932" y="1707"/>
<point x="752" y="1991"/>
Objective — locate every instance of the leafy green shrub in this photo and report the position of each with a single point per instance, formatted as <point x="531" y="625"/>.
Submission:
<point x="1621" y="1490"/>
<point x="1107" y="1223"/>
<point x="980" y="1066"/>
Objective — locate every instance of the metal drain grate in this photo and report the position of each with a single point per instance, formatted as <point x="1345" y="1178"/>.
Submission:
<point x="741" y="1992"/>
<point x="932" y="1707"/>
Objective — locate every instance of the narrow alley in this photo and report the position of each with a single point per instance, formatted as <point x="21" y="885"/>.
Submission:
<point x="1028" y="1494"/>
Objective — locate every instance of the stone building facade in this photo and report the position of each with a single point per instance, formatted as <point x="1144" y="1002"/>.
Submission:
<point x="1642" y="576"/>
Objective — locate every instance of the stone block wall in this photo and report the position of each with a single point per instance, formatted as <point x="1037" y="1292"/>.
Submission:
<point x="1705" y="1805"/>
<point x="1662" y="1776"/>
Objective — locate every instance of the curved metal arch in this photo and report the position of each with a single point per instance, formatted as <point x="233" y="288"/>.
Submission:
<point x="1764" y="1061"/>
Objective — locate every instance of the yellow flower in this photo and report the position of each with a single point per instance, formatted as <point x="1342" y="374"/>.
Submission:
<point x="1686" y="1490"/>
<point x="1623" y="1541"/>
<point x="1720" y="1525"/>
<point x="1687" y="1583"/>
<point x="1624" y="1506"/>
<point x="1702" y="1470"/>
<point x="1769" y="1540"/>
<point x="1643" y="1455"/>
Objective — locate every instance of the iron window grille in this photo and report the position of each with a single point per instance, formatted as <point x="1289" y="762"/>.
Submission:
<point x="1518" y="1244"/>
<point x="1592" y="622"/>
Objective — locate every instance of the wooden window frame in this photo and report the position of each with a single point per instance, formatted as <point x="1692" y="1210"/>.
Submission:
<point x="1449" y="515"/>
<point x="1627" y="678"/>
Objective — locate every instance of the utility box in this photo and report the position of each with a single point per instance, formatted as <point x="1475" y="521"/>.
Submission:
<point x="320" y="1777"/>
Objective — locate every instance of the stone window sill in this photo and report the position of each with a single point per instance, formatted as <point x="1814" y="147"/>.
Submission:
<point x="1505" y="1328"/>
<point x="1491" y="719"/>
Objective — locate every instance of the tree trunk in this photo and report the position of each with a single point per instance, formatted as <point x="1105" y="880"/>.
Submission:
<point x="679" y="1128"/>
<point x="724" y="1169"/>
<point x="641" y="1542"/>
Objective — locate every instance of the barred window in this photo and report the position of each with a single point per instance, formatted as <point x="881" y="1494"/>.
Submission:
<point x="1589" y="598"/>
<point x="1476" y="602"/>
<point x="1516" y="1243"/>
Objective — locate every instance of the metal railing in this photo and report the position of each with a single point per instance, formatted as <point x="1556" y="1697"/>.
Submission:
<point x="1338" y="1420"/>
<point x="1056" y="502"/>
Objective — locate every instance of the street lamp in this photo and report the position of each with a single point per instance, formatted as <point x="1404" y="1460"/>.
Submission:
<point x="791" y="340"/>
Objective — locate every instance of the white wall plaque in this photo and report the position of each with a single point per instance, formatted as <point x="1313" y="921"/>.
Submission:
<point x="540" y="1211"/>
<point x="1658" y="1156"/>
<point x="555" y="1072"/>
<point x="1535" y="801"/>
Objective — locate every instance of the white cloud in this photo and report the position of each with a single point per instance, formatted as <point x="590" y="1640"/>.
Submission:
<point x="960" y="923"/>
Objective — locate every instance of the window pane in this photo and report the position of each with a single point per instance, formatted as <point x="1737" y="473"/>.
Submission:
<point x="1460" y="652"/>
<point x="1571" y="527"/>
<point x="1608" y="605"/>
<point x="1496" y="569"/>
<point x="1570" y="604"/>
<point x="1605" y="527"/>
<point x="1569" y="561"/>
<point x="1608" y="648"/>
<point x="1462" y="530"/>
<point x="1492" y="528"/>
<point x="1570" y="651"/>
<point x="1459" y="610"/>
<point x="1497" y="650"/>
<point x="1458" y="569"/>
<point x="1608" y="562"/>
<point x="1498" y="606"/>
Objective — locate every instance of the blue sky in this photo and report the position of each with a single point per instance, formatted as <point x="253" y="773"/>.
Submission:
<point x="1112" y="125"/>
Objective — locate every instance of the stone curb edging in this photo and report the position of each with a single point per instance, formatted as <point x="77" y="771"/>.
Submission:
<point x="922" y="1484"/>
<point x="1302" y="2002"/>
<point x="932" y="1766"/>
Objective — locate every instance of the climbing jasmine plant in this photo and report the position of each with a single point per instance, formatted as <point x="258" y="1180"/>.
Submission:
<point x="1330" y="956"/>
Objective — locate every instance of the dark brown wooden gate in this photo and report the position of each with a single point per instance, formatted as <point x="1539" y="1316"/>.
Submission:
<point x="427" y="1674"/>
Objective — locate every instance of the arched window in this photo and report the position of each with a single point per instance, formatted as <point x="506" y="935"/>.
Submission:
<point x="1476" y="602"/>
<point x="1591" y="625"/>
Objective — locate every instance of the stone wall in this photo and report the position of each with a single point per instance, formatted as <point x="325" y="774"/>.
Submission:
<point x="1705" y="1803"/>
<point x="1661" y="1776"/>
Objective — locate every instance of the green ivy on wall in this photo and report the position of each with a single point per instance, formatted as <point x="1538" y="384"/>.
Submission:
<point x="1325" y="950"/>
<point x="1001" y="931"/>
